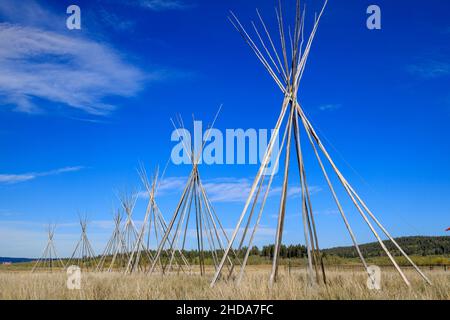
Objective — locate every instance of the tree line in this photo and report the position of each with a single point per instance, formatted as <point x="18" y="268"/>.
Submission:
<point x="416" y="245"/>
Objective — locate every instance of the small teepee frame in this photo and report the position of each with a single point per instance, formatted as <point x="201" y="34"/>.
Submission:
<point x="83" y="255"/>
<point x="129" y="232"/>
<point x="194" y="205"/>
<point x="115" y="249"/>
<point x="49" y="259"/>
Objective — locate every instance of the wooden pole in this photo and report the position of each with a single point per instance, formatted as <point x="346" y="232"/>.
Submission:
<point x="282" y="210"/>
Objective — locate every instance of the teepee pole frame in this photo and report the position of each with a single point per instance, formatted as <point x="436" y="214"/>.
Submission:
<point x="83" y="254"/>
<point x="291" y="76"/>
<point x="47" y="255"/>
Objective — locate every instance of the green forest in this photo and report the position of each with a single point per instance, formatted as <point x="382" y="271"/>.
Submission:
<point x="415" y="245"/>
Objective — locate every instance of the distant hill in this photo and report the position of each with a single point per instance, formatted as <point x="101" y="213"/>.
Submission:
<point x="415" y="245"/>
<point x="14" y="260"/>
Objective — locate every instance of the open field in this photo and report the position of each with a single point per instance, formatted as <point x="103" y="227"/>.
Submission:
<point x="343" y="284"/>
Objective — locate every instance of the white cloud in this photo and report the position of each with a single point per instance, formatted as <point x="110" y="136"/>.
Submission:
<point x="40" y="60"/>
<point x="156" y="5"/>
<point x="295" y="191"/>
<point x="29" y="13"/>
<point x="161" y="5"/>
<point x="103" y="224"/>
<point x="71" y="71"/>
<point x="263" y="232"/>
<point x="16" y="178"/>
<point x="224" y="189"/>
<point x="172" y="184"/>
<point x="227" y="189"/>
<point x="115" y="22"/>
<point x="237" y="190"/>
<point x="329" y="107"/>
<point x="430" y="69"/>
<point x="8" y="213"/>
<point x="167" y="186"/>
<point x="328" y="212"/>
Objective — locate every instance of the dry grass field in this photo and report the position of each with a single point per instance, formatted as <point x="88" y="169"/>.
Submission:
<point x="343" y="284"/>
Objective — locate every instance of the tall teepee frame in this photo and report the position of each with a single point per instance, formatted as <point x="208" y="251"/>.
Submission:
<point x="49" y="259"/>
<point x="287" y="72"/>
<point x="153" y="228"/>
<point x="83" y="255"/>
<point x="115" y="249"/>
<point x="194" y="209"/>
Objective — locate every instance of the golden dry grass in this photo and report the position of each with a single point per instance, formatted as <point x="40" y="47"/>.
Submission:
<point x="342" y="285"/>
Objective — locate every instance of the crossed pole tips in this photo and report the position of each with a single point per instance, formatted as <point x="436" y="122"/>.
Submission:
<point x="129" y="231"/>
<point x="287" y="70"/>
<point x="83" y="255"/>
<point x="115" y="255"/>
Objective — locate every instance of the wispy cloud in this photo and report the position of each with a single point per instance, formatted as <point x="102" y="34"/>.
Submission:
<point x="293" y="215"/>
<point x="41" y="61"/>
<point x="430" y="69"/>
<point x="295" y="191"/>
<point x="329" y="107"/>
<point x="263" y="232"/>
<point x="167" y="186"/>
<point x="237" y="190"/>
<point x="328" y="212"/>
<point x="172" y="184"/>
<point x="30" y="13"/>
<point x="111" y="20"/>
<point x="36" y="63"/>
<point x="17" y="178"/>
<point x="8" y="213"/>
<point x="226" y="189"/>
<point x="162" y="5"/>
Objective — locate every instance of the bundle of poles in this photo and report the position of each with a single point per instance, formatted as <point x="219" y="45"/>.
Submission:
<point x="194" y="208"/>
<point x="286" y="69"/>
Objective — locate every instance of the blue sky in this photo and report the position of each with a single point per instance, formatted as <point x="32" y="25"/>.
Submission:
<point x="81" y="108"/>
